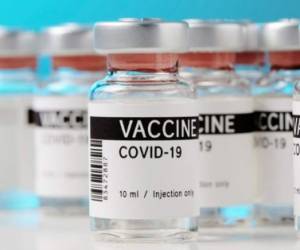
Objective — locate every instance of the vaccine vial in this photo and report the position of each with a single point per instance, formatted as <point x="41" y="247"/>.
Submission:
<point x="296" y="144"/>
<point x="227" y="177"/>
<point x="250" y="62"/>
<point x="273" y="121"/>
<point x="60" y="117"/>
<point x="18" y="49"/>
<point x="143" y="134"/>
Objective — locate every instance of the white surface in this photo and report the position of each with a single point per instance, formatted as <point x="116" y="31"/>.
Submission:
<point x="28" y="231"/>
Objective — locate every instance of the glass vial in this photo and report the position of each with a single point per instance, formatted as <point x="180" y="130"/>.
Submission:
<point x="17" y="84"/>
<point x="143" y="134"/>
<point x="60" y="112"/>
<point x="296" y="151"/>
<point x="250" y="62"/>
<point x="225" y="108"/>
<point x="273" y="120"/>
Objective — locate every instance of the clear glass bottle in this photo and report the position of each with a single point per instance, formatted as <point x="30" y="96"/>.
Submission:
<point x="296" y="149"/>
<point x="273" y="120"/>
<point x="60" y="112"/>
<point x="142" y="86"/>
<point x="250" y="62"/>
<point x="227" y="176"/>
<point x="17" y="84"/>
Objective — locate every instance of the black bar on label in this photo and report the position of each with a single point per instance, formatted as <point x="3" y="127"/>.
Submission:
<point x="275" y="121"/>
<point x="144" y="128"/>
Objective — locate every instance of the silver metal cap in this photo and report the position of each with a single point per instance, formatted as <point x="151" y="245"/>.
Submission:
<point x="16" y="42"/>
<point x="67" y="39"/>
<point x="214" y="35"/>
<point x="148" y="35"/>
<point x="252" y="36"/>
<point x="134" y="19"/>
<point x="282" y="35"/>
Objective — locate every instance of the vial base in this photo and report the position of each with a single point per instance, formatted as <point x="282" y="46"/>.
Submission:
<point x="163" y="229"/>
<point x="64" y="206"/>
<point x="230" y="216"/>
<point x="274" y="215"/>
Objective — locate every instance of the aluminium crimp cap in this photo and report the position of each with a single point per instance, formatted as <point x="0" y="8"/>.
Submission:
<point x="282" y="35"/>
<point x="17" y="42"/>
<point x="147" y="35"/>
<point x="67" y="39"/>
<point x="252" y="36"/>
<point x="214" y="36"/>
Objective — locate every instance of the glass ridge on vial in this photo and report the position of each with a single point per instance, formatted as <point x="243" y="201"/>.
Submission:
<point x="273" y="121"/>
<point x="227" y="176"/>
<point x="18" y="56"/>
<point x="60" y="111"/>
<point x="143" y="134"/>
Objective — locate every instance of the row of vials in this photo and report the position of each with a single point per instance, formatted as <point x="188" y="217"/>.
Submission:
<point x="191" y="126"/>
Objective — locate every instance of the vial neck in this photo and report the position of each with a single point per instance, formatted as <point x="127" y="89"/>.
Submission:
<point x="88" y="63"/>
<point x="66" y="74"/>
<point x="285" y="73"/>
<point x="250" y="58"/>
<point x="20" y="74"/>
<point x="208" y="60"/>
<point x="17" y="63"/>
<point x="143" y="68"/>
<point x="285" y="60"/>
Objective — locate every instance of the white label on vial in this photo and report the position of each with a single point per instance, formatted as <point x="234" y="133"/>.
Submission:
<point x="273" y="148"/>
<point x="143" y="160"/>
<point x="227" y="171"/>
<point x="296" y="155"/>
<point x="61" y="142"/>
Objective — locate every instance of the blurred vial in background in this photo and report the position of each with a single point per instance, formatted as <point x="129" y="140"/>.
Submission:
<point x="250" y="62"/>
<point x="296" y="145"/>
<point x="143" y="134"/>
<point x="17" y="84"/>
<point x="227" y="177"/>
<point x="273" y="121"/>
<point x="60" y="112"/>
